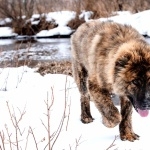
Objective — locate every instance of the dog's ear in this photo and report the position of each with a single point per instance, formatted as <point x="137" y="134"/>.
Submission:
<point x="122" y="61"/>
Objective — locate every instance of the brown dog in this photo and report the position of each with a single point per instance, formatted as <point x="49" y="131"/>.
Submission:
<point x="112" y="58"/>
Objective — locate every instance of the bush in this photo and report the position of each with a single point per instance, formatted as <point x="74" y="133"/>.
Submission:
<point x="16" y="9"/>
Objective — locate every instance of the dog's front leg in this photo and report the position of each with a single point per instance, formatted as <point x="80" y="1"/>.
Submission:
<point x="125" y="127"/>
<point x="101" y="97"/>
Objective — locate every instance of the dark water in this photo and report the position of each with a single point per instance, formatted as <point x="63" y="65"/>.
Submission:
<point x="10" y="44"/>
<point x="48" y="45"/>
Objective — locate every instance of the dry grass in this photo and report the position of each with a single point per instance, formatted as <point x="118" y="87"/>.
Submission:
<point x="45" y="6"/>
<point x="101" y="8"/>
<point x="133" y="5"/>
<point x="55" y="67"/>
<point x="32" y="29"/>
<point x="76" y="22"/>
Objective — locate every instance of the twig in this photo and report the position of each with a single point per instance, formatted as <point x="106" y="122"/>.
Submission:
<point x="34" y="138"/>
<point x="21" y="116"/>
<point x="27" y="139"/>
<point x="16" y="131"/>
<point x="68" y="116"/>
<point x="48" y="117"/>
<point x="48" y="107"/>
<point x="112" y="144"/>
<point x="78" y="142"/>
<point x="5" y="83"/>
<point x="59" y="129"/>
<point x="2" y="139"/>
<point x="9" y="135"/>
<point x="66" y="95"/>
<point x="63" y="118"/>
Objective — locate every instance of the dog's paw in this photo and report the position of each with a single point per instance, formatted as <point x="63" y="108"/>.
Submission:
<point x="86" y="119"/>
<point x="129" y="137"/>
<point x="112" y="118"/>
<point x="111" y="123"/>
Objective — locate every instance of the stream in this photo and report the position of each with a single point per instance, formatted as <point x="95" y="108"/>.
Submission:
<point x="40" y="50"/>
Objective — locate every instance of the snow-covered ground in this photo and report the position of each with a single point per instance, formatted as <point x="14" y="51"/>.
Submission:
<point x="24" y="94"/>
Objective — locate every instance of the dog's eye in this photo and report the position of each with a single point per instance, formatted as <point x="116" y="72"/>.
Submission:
<point x="136" y="82"/>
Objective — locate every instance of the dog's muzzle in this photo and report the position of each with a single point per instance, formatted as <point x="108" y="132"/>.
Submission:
<point x="142" y="107"/>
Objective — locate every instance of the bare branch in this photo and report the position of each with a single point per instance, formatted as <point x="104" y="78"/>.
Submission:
<point x="21" y="114"/>
<point x="63" y="117"/>
<point x="78" y="142"/>
<point x="15" y="123"/>
<point x="68" y="116"/>
<point x="112" y="144"/>
<point x="44" y="125"/>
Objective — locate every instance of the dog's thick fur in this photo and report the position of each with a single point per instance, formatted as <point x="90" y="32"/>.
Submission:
<point x="111" y="58"/>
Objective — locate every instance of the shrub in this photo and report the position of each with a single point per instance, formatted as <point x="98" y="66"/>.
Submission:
<point x="16" y="9"/>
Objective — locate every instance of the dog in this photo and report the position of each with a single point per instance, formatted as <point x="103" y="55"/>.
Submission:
<point x="108" y="58"/>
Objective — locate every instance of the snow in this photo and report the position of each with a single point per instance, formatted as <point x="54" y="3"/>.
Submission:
<point x="6" y="32"/>
<point x="24" y="91"/>
<point x="86" y="15"/>
<point x="35" y="22"/>
<point x="139" y="21"/>
<point x="36" y="16"/>
<point x="62" y="30"/>
<point x="61" y="19"/>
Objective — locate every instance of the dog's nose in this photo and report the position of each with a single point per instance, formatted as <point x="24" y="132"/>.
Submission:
<point x="145" y="104"/>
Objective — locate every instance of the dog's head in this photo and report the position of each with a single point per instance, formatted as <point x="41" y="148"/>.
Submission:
<point x="132" y="78"/>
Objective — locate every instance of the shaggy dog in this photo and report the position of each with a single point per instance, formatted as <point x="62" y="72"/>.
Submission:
<point x="112" y="58"/>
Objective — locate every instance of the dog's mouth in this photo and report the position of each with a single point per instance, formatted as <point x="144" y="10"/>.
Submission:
<point x="143" y="111"/>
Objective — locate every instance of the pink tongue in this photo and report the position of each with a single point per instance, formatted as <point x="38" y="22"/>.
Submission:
<point x="143" y="113"/>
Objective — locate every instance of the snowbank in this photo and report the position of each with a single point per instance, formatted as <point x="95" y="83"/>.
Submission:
<point x="139" y="20"/>
<point x="23" y="92"/>
<point x="6" y="32"/>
